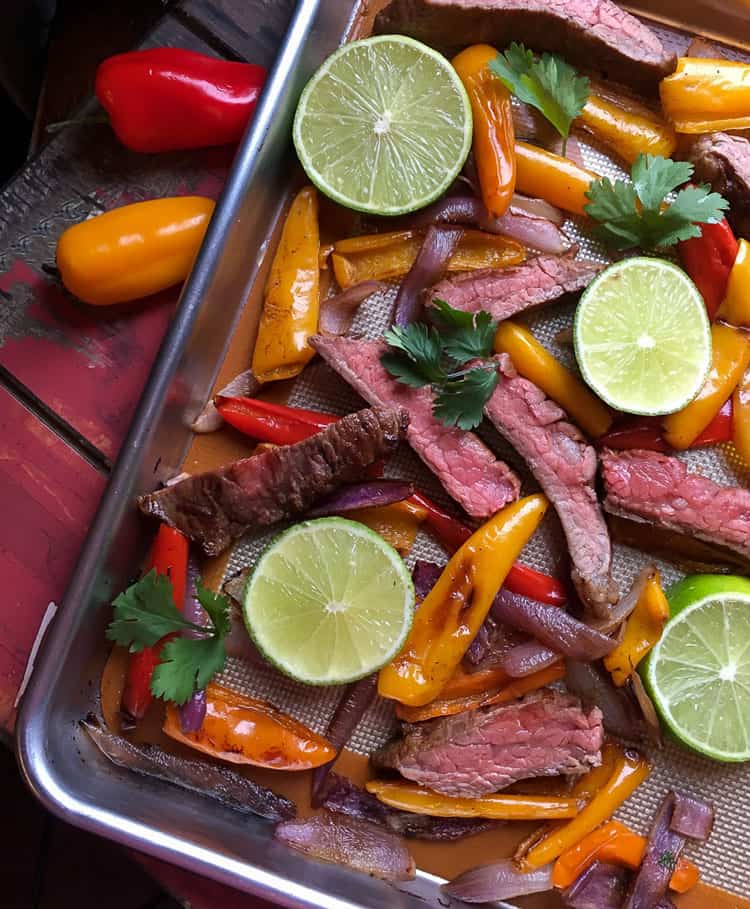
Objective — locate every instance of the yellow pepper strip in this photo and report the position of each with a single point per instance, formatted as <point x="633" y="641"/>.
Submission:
<point x="730" y="359"/>
<point x="450" y="616"/>
<point x="536" y="363"/>
<point x="643" y="629"/>
<point x="291" y="302"/>
<point x="741" y="417"/>
<point x="549" y="176"/>
<point x="627" y="133"/>
<point x="705" y="95"/>
<point x="499" y="806"/>
<point x="398" y="524"/>
<point x="735" y="308"/>
<point x="391" y="255"/>
<point x="133" y="251"/>
<point x="587" y="786"/>
<point x="494" y="133"/>
<point x="629" y="772"/>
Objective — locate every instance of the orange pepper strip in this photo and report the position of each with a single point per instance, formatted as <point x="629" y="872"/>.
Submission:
<point x="462" y="683"/>
<point x="398" y="524"/>
<point x="735" y="308"/>
<point x="629" y="772"/>
<point x="706" y="95"/>
<point x="741" y="417"/>
<point x="549" y="176"/>
<point x="587" y="786"/>
<point x="617" y="844"/>
<point x="499" y="805"/>
<point x="443" y="706"/>
<point x="627" y="133"/>
<point x="494" y="133"/>
<point x="245" y="730"/>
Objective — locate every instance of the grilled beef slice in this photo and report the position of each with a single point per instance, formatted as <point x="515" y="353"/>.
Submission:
<point x="470" y="472"/>
<point x="564" y="464"/>
<point x="657" y="488"/>
<point x="481" y="751"/>
<point x="504" y="292"/>
<point x="217" y="507"/>
<point x="594" y="33"/>
<point x="723" y="160"/>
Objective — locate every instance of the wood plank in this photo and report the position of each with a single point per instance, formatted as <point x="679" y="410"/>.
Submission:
<point x="248" y="29"/>
<point x="198" y="892"/>
<point x="51" y="493"/>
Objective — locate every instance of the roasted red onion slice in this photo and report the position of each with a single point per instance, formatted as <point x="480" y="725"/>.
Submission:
<point x="600" y="886"/>
<point x="527" y="658"/>
<point x="194" y="710"/>
<point x="551" y="626"/>
<point x="337" y="312"/>
<point x="692" y="817"/>
<point x="434" y="253"/>
<point x="593" y="685"/>
<point x="353" y="705"/>
<point x="646" y="705"/>
<point x="536" y="208"/>
<point x="480" y="646"/>
<point x="244" y="385"/>
<point x="499" y="881"/>
<point x="425" y="575"/>
<point x="371" y="494"/>
<point x="664" y="846"/>
<point x="349" y="841"/>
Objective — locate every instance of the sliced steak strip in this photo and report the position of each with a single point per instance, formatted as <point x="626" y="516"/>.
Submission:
<point x="217" y="507"/>
<point x="470" y="472"/>
<point x="564" y="464"/>
<point x="593" y="33"/>
<point x="723" y="160"/>
<point x="504" y="292"/>
<point x="657" y="488"/>
<point x="481" y="751"/>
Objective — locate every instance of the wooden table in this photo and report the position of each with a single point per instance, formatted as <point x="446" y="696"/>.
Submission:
<point x="70" y="375"/>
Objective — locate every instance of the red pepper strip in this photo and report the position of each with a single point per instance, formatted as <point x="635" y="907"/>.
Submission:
<point x="645" y="432"/>
<point x="169" y="556"/>
<point x="168" y="98"/>
<point x="708" y="259"/>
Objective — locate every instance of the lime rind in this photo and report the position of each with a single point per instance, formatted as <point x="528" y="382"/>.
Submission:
<point x="329" y="602"/>
<point x="642" y="337"/>
<point x="384" y="126"/>
<point x="698" y="674"/>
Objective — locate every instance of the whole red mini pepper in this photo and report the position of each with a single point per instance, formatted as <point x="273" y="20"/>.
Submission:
<point x="168" y="98"/>
<point x="708" y="259"/>
<point x="169" y="556"/>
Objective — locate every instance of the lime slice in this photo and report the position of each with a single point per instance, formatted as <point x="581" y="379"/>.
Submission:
<point x="642" y="336"/>
<point x="384" y="126"/>
<point x="329" y="602"/>
<point x="698" y="674"/>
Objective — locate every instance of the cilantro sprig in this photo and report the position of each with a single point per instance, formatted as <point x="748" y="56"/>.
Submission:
<point x="638" y="213"/>
<point x="421" y="355"/>
<point x="145" y="613"/>
<point x="547" y="83"/>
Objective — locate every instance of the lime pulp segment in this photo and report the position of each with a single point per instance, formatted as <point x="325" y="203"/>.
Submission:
<point x="698" y="675"/>
<point x="384" y="126"/>
<point x="329" y="602"/>
<point x="642" y="336"/>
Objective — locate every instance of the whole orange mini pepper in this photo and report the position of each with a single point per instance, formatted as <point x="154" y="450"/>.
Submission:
<point x="628" y="133"/>
<point x="245" y="730"/>
<point x="494" y="134"/>
<point x="558" y="180"/>
<point x="134" y="251"/>
<point x="449" y="618"/>
<point x="291" y="300"/>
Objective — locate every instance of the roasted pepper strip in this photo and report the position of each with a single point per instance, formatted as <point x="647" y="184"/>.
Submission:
<point x="391" y="255"/>
<point x="535" y="362"/>
<point x="645" y="432"/>
<point x="548" y="176"/>
<point x="499" y="806"/>
<point x="741" y="417"/>
<point x="134" y="251"/>
<point x="629" y="772"/>
<point x="643" y="629"/>
<point x="245" y="730"/>
<point x="169" y="556"/>
<point x="449" y="706"/>
<point x="735" y="308"/>
<point x="709" y="260"/>
<point x="617" y="844"/>
<point x="291" y="299"/>
<point x="494" y="134"/>
<point x="705" y="95"/>
<point x="626" y="132"/>
<point x="449" y="617"/>
<point x="730" y="359"/>
<point x="398" y="524"/>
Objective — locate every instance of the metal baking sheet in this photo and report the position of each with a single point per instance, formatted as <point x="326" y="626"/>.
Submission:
<point x="65" y="773"/>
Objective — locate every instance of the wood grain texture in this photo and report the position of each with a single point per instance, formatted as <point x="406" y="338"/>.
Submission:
<point x="245" y="29"/>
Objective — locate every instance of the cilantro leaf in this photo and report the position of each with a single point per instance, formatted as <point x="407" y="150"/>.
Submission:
<point x="419" y="352"/>
<point x="668" y="860"/>
<point x="216" y="606"/>
<point x="547" y="83"/>
<point x="637" y="213"/>
<point x="145" y="613"/>
<point x="187" y="665"/>
<point x="460" y="402"/>
<point x="466" y="336"/>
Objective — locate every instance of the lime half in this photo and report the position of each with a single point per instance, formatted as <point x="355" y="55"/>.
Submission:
<point x="384" y="126"/>
<point x="642" y="336"/>
<point x="329" y="602"/>
<point x="698" y="674"/>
